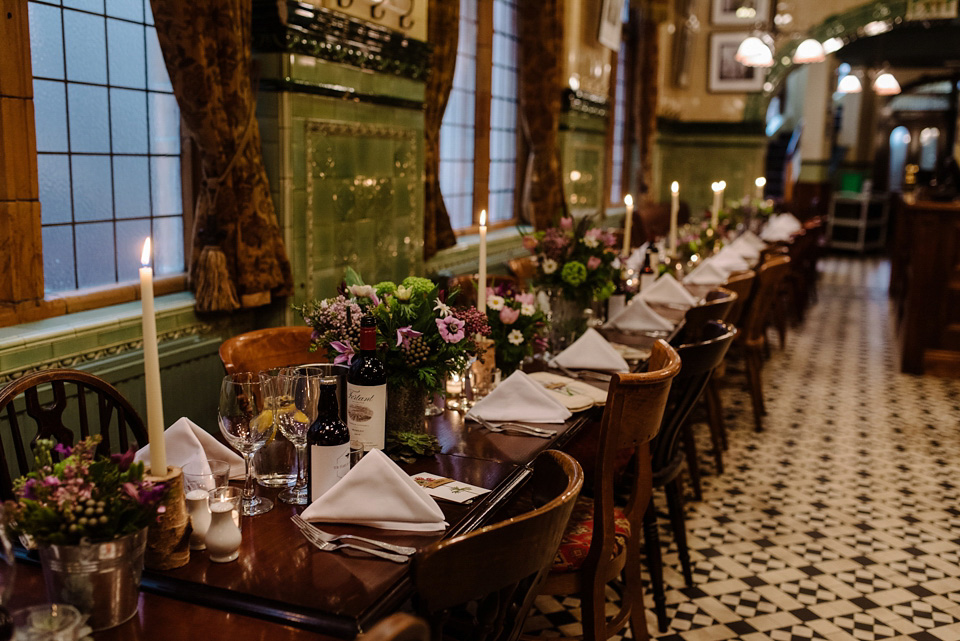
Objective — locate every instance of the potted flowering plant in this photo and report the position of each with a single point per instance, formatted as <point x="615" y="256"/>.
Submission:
<point x="575" y="267"/>
<point x="421" y="338"/>
<point x="518" y="326"/>
<point x="88" y="515"/>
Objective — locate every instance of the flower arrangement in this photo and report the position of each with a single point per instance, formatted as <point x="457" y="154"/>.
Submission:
<point x="421" y="336"/>
<point x="576" y="257"/>
<point x="698" y="239"/>
<point x="82" y="497"/>
<point x="744" y="211"/>
<point x="518" y="326"/>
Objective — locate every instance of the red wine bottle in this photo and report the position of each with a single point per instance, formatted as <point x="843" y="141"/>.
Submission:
<point x="328" y="442"/>
<point x="650" y="269"/>
<point x="367" y="390"/>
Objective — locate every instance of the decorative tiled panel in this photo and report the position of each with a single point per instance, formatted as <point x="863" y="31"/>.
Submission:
<point x="364" y="202"/>
<point x="583" y="160"/>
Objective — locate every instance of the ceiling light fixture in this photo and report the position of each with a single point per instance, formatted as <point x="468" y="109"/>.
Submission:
<point x="886" y="85"/>
<point x="754" y="52"/>
<point x="849" y="84"/>
<point x="831" y="45"/>
<point x="809" y="51"/>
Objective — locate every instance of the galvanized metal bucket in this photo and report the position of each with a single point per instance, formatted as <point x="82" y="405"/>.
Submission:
<point x="100" y="579"/>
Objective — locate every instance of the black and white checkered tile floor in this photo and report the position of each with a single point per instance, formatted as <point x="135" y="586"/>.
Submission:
<point x="842" y="520"/>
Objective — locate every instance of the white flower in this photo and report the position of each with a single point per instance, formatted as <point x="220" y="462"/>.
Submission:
<point x="442" y="308"/>
<point x="362" y="291"/>
<point x="495" y="303"/>
<point x="591" y="241"/>
<point x="528" y="310"/>
<point x="404" y="293"/>
<point x="549" y="265"/>
<point x="515" y="337"/>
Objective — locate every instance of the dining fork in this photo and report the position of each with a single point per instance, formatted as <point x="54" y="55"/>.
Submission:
<point x="327" y="546"/>
<point x="516" y="427"/>
<point x="598" y="376"/>
<point x="303" y="524"/>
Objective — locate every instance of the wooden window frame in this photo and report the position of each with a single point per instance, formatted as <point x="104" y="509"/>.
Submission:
<point x="22" y="296"/>
<point x="483" y="98"/>
<point x="628" y="124"/>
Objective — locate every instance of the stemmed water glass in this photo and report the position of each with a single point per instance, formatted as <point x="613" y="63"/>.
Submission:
<point x="247" y="424"/>
<point x="296" y="394"/>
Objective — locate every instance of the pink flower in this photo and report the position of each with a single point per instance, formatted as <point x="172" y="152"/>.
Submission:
<point x="491" y="292"/>
<point x="344" y="352"/>
<point x="593" y="262"/>
<point x="404" y="334"/>
<point x="526" y="299"/>
<point x="529" y="243"/>
<point x="508" y="315"/>
<point x="566" y="223"/>
<point x="451" y="328"/>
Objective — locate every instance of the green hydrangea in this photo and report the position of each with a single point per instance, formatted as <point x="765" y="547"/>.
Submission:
<point x="574" y="273"/>
<point x="418" y="284"/>
<point x="385" y="287"/>
<point x="605" y="291"/>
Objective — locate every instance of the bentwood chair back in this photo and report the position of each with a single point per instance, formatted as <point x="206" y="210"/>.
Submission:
<point x="523" y="269"/>
<point x="742" y="285"/>
<point x="603" y="539"/>
<point x="481" y="585"/>
<point x="699" y="360"/>
<point x="466" y="283"/>
<point x="265" y="349"/>
<point x="769" y="278"/>
<point x="80" y="405"/>
<point x="399" y="626"/>
<point x="716" y="306"/>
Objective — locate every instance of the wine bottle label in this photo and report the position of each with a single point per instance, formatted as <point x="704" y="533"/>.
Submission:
<point x="367" y="414"/>
<point x="328" y="464"/>
<point x="646" y="280"/>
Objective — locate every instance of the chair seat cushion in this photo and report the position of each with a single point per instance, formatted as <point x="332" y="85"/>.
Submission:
<point x="576" y="540"/>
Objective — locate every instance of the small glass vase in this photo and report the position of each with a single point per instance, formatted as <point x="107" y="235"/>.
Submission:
<point x="567" y="319"/>
<point x="406" y="409"/>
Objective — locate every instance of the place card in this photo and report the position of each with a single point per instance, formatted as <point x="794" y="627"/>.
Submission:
<point x="440" y="487"/>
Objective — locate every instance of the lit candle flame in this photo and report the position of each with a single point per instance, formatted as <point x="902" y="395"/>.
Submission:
<point x="760" y="182"/>
<point x="483" y="217"/>
<point x="628" y="200"/>
<point x="675" y="187"/>
<point x="145" y="254"/>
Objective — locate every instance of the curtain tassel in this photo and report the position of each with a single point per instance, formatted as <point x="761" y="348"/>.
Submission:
<point x="214" y="289"/>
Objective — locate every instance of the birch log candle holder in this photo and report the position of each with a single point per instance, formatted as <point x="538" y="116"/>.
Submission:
<point x="168" y="540"/>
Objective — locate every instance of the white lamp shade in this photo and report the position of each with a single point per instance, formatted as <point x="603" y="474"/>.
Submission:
<point x="886" y="85"/>
<point x="809" y="51"/>
<point x="754" y="52"/>
<point x="832" y="44"/>
<point x="849" y="84"/>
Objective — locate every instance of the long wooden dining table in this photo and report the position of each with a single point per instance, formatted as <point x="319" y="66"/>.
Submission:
<point x="282" y="586"/>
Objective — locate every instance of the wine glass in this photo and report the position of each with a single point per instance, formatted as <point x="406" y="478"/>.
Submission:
<point x="247" y="425"/>
<point x="296" y="395"/>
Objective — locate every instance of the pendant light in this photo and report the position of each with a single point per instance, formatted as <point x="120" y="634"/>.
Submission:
<point x="886" y="85"/>
<point x="809" y="51"/>
<point x="849" y="84"/>
<point x="754" y="52"/>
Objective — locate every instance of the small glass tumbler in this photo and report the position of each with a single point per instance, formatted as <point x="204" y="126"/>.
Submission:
<point x="205" y="475"/>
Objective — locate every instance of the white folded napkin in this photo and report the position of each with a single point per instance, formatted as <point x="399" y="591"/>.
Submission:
<point x="520" y="398"/>
<point x="188" y="442"/>
<point x="752" y="239"/>
<point x="635" y="260"/>
<point x="592" y="351"/>
<point x="377" y="493"/>
<point x="708" y="273"/>
<point x="773" y="234"/>
<point x="570" y="390"/>
<point x="781" y="227"/>
<point x="730" y="260"/>
<point x="667" y="290"/>
<point x="638" y="316"/>
<point x="744" y="248"/>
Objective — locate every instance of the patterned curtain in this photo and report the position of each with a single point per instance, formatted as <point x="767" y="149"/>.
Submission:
<point x="443" y="32"/>
<point x="206" y="46"/>
<point x="541" y="70"/>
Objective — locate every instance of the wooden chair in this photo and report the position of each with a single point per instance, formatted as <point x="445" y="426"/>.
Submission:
<point x="699" y="360"/>
<point x="595" y="550"/>
<point x="468" y="287"/>
<point x="398" y="627"/>
<point x="264" y="349"/>
<point x="716" y="307"/>
<point x="91" y="406"/>
<point x="742" y="285"/>
<point x="523" y="269"/>
<point x="482" y="584"/>
<point x="753" y="335"/>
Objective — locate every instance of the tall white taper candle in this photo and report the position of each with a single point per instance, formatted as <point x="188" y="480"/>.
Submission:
<point x="151" y="367"/>
<point x="718" y="188"/>
<point x="760" y="183"/>
<point x="482" y="284"/>
<point x="674" y="213"/>
<point x="627" y="225"/>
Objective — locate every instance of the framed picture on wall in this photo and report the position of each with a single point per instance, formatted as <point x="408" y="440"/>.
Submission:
<point x="611" y="24"/>
<point x="739" y="12"/>
<point x="726" y="74"/>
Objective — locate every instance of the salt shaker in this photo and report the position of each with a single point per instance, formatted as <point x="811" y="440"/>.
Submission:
<point x="198" y="507"/>
<point x="223" y="536"/>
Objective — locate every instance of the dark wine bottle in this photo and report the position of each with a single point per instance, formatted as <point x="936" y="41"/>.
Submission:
<point x="328" y="442"/>
<point x="650" y="269"/>
<point x="618" y="299"/>
<point x="367" y="390"/>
